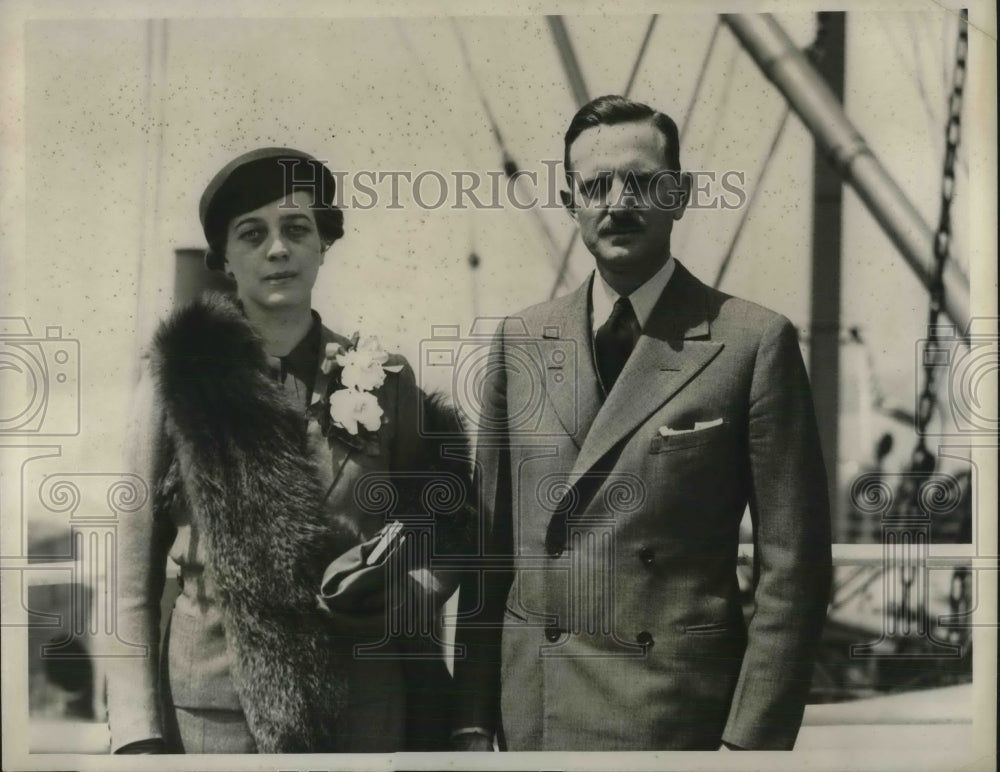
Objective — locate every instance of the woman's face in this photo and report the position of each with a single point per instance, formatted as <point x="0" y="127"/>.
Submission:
<point x="275" y="252"/>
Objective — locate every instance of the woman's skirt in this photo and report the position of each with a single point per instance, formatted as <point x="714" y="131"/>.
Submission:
<point x="194" y="730"/>
<point x="385" y="710"/>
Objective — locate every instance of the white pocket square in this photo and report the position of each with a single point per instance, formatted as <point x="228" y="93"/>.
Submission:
<point x="666" y="431"/>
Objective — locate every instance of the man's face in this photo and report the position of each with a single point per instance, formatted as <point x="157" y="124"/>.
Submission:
<point x="626" y="201"/>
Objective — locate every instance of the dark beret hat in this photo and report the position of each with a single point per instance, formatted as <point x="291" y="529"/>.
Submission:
<point x="254" y="179"/>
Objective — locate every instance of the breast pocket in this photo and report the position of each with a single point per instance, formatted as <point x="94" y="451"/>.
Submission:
<point x="689" y="439"/>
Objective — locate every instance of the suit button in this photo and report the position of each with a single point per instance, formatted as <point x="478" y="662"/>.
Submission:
<point x="552" y="634"/>
<point x="644" y="639"/>
<point x="646" y="556"/>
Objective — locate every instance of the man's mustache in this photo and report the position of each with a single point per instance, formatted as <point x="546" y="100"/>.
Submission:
<point x="623" y="222"/>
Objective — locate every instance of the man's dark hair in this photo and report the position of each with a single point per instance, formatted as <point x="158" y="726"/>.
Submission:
<point x="613" y="109"/>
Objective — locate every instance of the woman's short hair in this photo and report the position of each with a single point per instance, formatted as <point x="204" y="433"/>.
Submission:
<point x="258" y="177"/>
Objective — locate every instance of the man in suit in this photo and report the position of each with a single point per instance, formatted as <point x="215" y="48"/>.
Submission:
<point x="605" y="613"/>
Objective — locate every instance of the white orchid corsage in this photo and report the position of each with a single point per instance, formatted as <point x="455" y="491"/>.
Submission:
<point x="350" y="411"/>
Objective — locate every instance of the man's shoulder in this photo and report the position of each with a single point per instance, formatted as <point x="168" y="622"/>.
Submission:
<point x="731" y="314"/>
<point x="538" y="312"/>
<point x="732" y="310"/>
<point x="532" y="320"/>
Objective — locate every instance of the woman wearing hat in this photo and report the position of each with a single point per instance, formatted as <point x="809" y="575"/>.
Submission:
<point x="273" y="447"/>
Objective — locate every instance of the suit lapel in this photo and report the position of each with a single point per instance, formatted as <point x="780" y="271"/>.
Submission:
<point x="672" y="349"/>
<point x="571" y="380"/>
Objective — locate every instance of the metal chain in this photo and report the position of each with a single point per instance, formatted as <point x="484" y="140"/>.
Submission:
<point x="922" y="460"/>
<point x="959" y="601"/>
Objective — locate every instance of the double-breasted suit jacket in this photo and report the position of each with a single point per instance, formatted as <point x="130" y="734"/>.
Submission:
<point x="611" y="526"/>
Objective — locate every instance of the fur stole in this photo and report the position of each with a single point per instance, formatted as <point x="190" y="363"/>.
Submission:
<point x="241" y="460"/>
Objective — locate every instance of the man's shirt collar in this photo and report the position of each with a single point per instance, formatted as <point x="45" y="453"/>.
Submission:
<point x="643" y="299"/>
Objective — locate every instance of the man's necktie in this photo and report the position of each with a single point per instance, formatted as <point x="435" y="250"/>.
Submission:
<point x="614" y="342"/>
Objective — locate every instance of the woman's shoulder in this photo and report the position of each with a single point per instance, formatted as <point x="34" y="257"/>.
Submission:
<point x="329" y="336"/>
<point x="394" y="364"/>
<point x="398" y="363"/>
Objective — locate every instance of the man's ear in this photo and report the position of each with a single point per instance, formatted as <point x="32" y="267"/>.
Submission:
<point x="568" y="202"/>
<point x="684" y="194"/>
